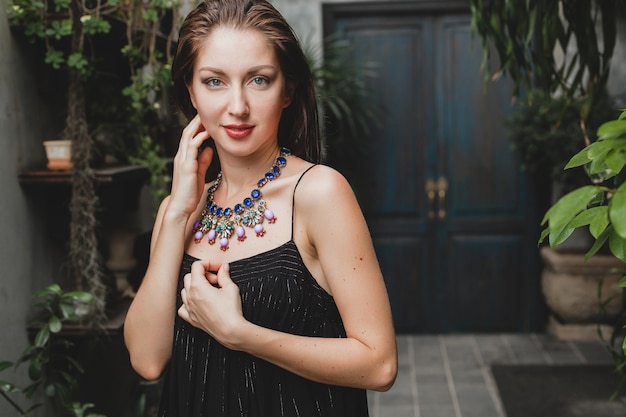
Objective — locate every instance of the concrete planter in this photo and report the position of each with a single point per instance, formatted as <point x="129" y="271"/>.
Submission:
<point x="59" y="153"/>
<point x="570" y="287"/>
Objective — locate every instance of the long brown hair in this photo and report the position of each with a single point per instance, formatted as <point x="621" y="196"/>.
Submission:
<point x="298" y="129"/>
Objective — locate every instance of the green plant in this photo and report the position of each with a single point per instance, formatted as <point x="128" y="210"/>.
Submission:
<point x="345" y="100"/>
<point x="51" y="367"/>
<point x="600" y="206"/>
<point x="545" y="132"/>
<point x="562" y="48"/>
<point x="80" y="38"/>
<point x="526" y="34"/>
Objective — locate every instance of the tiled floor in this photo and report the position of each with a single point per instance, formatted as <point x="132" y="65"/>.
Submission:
<point x="449" y="375"/>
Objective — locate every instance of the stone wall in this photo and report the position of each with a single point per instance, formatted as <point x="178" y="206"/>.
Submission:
<point x="26" y="256"/>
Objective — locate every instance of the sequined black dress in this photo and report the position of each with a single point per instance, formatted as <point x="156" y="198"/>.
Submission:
<point x="205" y="379"/>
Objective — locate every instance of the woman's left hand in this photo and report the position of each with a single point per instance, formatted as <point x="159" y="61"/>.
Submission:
<point x="211" y="302"/>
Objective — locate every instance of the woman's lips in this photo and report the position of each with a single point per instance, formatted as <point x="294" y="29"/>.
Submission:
<point x="238" y="131"/>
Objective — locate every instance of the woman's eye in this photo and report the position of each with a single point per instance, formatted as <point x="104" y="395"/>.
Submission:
<point x="259" y="81"/>
<point x="212" y="82"/>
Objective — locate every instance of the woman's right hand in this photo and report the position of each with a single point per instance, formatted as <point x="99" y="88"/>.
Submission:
<point x="190" y="168"/>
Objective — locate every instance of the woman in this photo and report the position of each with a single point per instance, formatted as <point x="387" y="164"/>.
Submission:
<point x="279" y="307"/>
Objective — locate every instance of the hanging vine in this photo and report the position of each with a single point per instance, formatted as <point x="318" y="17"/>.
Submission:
<point x="69" y="31"/>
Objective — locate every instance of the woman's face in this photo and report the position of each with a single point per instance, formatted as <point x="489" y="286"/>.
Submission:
<point x="239" y="90"/>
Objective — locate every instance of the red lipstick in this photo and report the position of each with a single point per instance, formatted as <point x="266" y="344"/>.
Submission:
<point x="238" y="131"/>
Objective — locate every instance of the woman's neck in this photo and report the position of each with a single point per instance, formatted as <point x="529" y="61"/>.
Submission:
<point x="240" y="174"/>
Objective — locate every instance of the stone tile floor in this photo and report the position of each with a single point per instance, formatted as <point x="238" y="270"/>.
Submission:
<point x="449" y="375"/>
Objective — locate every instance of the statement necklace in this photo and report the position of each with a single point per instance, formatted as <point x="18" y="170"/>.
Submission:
<point x="219" y="223"/>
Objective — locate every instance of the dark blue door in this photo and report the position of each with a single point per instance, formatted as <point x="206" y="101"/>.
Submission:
<point x="445" y="199"/>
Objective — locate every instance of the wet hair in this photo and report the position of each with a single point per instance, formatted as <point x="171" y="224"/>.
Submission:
<point x="298" y="129"/>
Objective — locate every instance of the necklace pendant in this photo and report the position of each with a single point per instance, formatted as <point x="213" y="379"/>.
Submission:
<point x="211" y="236"/>
<point x="240" y="231"/>
<point x="269" y="215"/>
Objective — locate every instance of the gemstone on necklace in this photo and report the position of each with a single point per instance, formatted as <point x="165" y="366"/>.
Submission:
<point x="241" y="233"/>
<point x="211" y="236"/>
<point x="269" y="215"/>
<point x="216" y="222"/>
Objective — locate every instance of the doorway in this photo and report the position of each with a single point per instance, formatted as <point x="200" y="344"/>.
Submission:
<point x="449" y="208"/>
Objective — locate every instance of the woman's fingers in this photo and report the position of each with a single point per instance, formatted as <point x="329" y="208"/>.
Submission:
<point x="204" y="161"/>
<point x="204" y="267"/>
<point x="190" y="168"/>
<point x="210" y="300"/>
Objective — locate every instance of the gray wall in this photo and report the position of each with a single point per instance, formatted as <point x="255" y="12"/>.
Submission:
<point x="25" y="255"/>
<point x="305" y="16"/>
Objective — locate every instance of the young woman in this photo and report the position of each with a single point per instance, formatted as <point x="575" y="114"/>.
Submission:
<point x="279" y="307"/>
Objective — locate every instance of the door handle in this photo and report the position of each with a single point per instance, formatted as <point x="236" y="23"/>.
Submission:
<point x="442" y="189"/>
<point x="431" y="191"/>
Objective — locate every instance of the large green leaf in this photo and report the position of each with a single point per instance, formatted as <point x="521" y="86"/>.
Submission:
<point x="82" y="296"/>
<point x="35" y="369"/>
<point x="600" y="222"/>
<point x="55" y="324"/>
<point x="568" y="206"/>
<point x="615" y="160"/>
<point x="612" y="129"/>
<point x="600" y="241"/>
<point x="5" y="364"/>
<point x="617" y="211"/>
<point x="581" y="158"/>
<point x="42" y="337"/>
<point x="617" y="244"/>
<point x="600" y="148"/>
<point x="560" y="235"/>
<point x="585" y="217"/>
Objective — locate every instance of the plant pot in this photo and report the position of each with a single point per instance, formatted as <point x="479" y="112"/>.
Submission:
<point x="571" y="288"/>
<point x="59" y="154"/>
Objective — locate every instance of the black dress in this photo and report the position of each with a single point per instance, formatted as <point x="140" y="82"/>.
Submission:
<point x="205" y="379"/>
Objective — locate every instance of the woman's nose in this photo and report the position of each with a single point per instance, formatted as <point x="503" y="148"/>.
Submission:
<point x="238" y="105"/>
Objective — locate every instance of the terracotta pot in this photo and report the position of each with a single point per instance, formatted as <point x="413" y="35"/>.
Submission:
<point x="570" y="287"/>
<point x="59" y="153"/>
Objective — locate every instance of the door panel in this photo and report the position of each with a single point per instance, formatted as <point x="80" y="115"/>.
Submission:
<point x="482" y="281"/>
<point x="457" y="261"/>
<point x="394" y="200"/>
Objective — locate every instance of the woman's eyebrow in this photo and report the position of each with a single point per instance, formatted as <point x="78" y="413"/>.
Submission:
<point x="252" y="70"/>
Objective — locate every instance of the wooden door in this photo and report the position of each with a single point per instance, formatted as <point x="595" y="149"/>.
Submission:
<point x="445" y="199"/>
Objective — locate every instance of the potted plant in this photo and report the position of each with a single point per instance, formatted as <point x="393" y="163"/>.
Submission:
<point x="76" y="39"/>
<point x="599" y="207"/>
<point x="51" y="367"/>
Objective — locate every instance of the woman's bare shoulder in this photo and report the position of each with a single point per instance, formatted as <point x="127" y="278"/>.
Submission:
<point x="322" y="181"/>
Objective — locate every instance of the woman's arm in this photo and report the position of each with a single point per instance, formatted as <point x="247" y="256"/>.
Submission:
<point x="148" y="327"/>
<point x="367" y="358"/>
<point x="150" y="319"/>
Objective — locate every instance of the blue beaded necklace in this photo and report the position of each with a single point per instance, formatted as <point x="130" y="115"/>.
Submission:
<point x="219" y="223"/>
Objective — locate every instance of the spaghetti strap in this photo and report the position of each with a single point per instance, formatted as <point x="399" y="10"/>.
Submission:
<point x="293" y="197"/>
